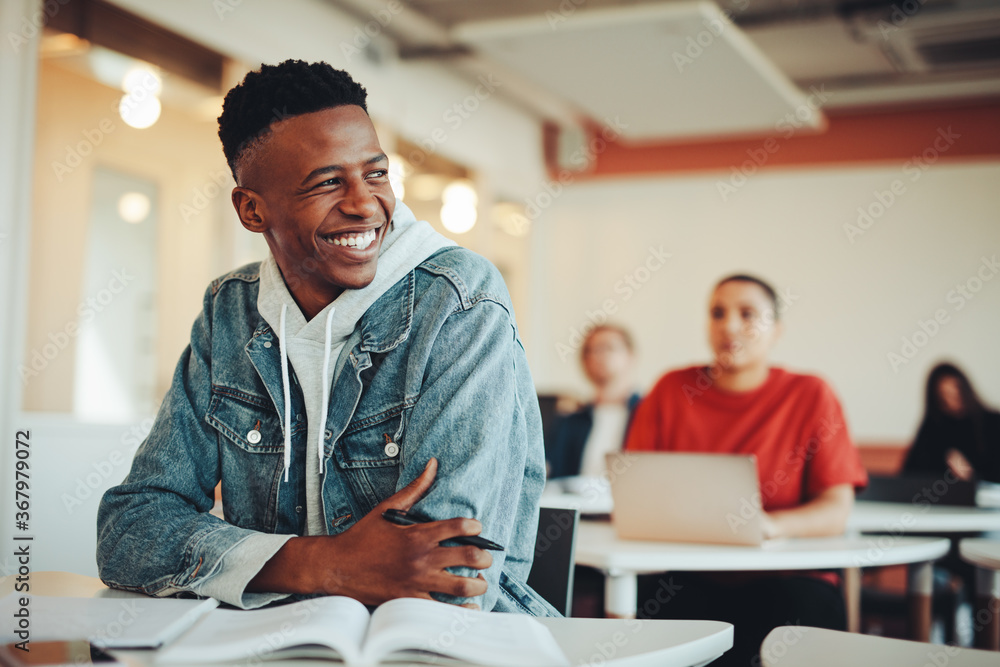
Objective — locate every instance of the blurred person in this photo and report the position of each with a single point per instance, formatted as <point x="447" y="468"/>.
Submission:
<point x="807" y="464"/>
<point x="581" y="439"/>
<point x="958" y="432"/>
<point x="344" y="375"/>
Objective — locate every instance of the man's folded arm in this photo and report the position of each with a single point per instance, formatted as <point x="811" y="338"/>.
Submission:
<point x="477" y="414"/>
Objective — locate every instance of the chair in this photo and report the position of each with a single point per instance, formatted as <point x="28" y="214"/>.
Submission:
<point x="551" y="574"/>
<point x="949" y="596"/>
<point x="797" y="646"/>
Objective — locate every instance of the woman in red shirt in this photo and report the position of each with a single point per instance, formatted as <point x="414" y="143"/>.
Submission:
<point x="807" y="464"/>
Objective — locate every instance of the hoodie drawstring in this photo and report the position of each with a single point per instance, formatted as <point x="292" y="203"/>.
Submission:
<point x="282" y="342"/>
<point x="321" y="431"/>
<point x="287" y="390"/>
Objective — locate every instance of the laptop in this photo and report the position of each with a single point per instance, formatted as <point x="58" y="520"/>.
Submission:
<point x="683" y="497"/>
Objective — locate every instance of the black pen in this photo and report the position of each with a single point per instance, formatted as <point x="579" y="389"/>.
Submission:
<point x="404" y="518"/>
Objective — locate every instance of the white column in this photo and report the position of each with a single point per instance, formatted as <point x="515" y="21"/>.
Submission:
<point x="21" y="24"/>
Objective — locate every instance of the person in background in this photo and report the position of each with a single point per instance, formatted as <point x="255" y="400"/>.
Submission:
<point x="958" y="432"/>
<point x="581" y="439"/>
<point x="807" y="464"/>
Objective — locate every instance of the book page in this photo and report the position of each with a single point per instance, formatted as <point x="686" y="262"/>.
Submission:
<point x="337" y="623"/>
<point x="416" y="625"/>
<point x="113" y="622"/>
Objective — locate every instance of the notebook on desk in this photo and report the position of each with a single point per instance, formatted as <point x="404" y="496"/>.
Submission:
<point x="682" y="497"/>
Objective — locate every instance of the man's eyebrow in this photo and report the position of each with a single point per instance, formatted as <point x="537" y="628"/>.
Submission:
<point x="319" y="171"/>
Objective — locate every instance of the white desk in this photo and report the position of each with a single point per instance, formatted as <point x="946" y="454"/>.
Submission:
<point x="898" y="519"/>
<point x="985" y="555"/>
<point x="622" y="560"/>
<point x="793" y="646"/>
<point x="593" y="641"/>
<point x="902" y="518"/>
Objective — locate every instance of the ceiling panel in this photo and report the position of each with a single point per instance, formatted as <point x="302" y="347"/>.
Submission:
<point x="680" y="70"/>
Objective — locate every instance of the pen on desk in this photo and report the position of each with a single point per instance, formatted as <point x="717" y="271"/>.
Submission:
<point x="404" y="518"/>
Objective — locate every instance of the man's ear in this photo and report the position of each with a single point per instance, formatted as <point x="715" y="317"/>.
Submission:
<point x="779" y="329"/>
<point x="250" y="208"/>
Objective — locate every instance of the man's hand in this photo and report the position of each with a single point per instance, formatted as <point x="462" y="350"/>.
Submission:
<point x="375" y="560"/>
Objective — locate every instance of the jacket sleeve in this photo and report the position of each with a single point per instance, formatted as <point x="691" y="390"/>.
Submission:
<point x="155" y="534"/>
<point x="477" y="413"/>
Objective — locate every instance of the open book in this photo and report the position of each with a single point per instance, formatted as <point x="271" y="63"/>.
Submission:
<point x="340" y="628"/>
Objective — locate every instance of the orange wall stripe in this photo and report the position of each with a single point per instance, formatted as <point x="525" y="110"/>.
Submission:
<point x="932" y="134"/>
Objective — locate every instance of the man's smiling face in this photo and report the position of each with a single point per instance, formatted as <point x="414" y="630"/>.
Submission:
<point x="319" y="191"/>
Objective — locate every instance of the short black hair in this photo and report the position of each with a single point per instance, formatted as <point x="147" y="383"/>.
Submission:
<point x="277" y="92"/>
<point x="746" y="278"/>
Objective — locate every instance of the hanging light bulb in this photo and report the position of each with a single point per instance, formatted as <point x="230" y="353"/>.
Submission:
<point x="139" y="114"/>
<point x="458" y="210"/>
<point x="140" y="107"/>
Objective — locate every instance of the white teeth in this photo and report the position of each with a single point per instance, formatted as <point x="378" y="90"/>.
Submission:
<point x="360" y="241"/>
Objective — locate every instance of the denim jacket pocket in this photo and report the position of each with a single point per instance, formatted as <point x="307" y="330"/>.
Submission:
<point x="369" y="453"/>
<point x="248" y="421"/>
<point x="251" y="449"/>
<point x="372" y="442"/>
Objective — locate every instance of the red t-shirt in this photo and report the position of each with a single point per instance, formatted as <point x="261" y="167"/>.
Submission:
<point x="793" y="423"/>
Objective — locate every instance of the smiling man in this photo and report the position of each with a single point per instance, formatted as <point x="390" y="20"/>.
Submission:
<point x="346" y="374"/>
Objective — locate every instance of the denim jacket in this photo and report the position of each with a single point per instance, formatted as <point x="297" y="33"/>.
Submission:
<point x="435" y="365"/>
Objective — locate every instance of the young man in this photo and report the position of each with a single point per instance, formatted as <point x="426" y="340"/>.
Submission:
<point x="807" y="464"/>
<point x="346" y="374"/>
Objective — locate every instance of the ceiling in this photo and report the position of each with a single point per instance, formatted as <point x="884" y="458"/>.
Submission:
<point x="680" y="70"/>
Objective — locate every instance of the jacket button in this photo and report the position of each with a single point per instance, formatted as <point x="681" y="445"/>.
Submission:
<point x="391" y="449"/>
<point x="298" y="509"/>
<point x="267" y="344"/>
<point x="253" y="436"/>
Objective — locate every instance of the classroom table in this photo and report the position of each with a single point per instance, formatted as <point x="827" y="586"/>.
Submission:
<point x="592" y="641"/>
<point x="796" y="646"/>
<point x="902" y="518"/>
<point x="985" y="555"/>
<point x="622" y="561"/>
<point x="923" y="517"/>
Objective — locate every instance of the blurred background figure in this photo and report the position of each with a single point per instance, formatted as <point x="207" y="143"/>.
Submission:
<point x="807" y="464"/>
<point x="958" y="432"/>
<point x="581" y="439"/>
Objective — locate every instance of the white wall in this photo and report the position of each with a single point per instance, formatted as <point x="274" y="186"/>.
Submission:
<point x="18" y="75"/>
<point x="853" y="301"/>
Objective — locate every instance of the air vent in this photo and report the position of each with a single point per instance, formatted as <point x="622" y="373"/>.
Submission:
<point x="940" y="41"/>
<point x="966" y="54"/>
